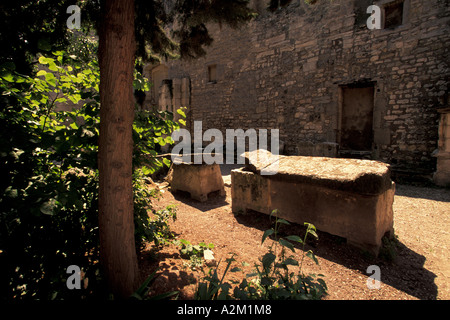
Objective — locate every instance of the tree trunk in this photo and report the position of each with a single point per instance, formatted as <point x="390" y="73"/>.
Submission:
<point x="116" y="219"/>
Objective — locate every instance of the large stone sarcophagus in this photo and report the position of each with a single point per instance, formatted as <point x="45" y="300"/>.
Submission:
<point x="346" y="197"/>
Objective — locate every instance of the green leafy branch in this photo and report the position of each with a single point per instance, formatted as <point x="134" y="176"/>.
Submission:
<point x="272" y="278"/>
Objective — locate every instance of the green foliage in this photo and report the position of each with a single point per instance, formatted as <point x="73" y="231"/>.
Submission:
<point x="194" y="253"/>
<point x="389" y="249"/>
<point x="188" y="249"/>
<point x="159" y="227"/>
<point x="214" y="288"/>
<point x="49" y="178"/>
<point x="272" y="279"/>
<point x="150" y="225"/>
<point x="188" y="22"/>
<point x="82" y="46"/>
<point x="33" y="27"/>
<point x="49" y="183"/>
<point x="142" y="292"/>
<point x="151" y="130"/>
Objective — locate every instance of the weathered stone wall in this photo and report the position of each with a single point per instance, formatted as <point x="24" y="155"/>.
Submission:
<point x="286" y="70"/>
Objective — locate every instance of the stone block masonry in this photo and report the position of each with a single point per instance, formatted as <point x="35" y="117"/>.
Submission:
<point x="300" y="69"/>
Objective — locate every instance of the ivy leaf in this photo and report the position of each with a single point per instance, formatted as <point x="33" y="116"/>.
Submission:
<point x="50" y="78"/>
<point x="181" y="112"/>
<point x="16" y="153"/>
<point x="166" y="162"/>
<point x="48" y="207"/>
<point x="43" y="60"/>
<point x="169" y="140"/>
<point x="52" y="65"/>
<point x="146" y="171"/>
<point x="41" y="73"/>
<point x="75" y="98"/>
<point x="87" y="133"/>
<point x="60" y="100"/>
<point x="8" y="77"/>
<point x="10" y="192"/>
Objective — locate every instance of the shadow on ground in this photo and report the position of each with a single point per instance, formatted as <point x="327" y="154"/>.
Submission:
<point x="401" y="267"/>
<point x="215" y="200"/>
<point x="168" y="277"/>
<point x="430" y="193"/>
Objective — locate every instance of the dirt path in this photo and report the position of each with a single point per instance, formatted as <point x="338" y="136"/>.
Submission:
<point x="421" y="269"/>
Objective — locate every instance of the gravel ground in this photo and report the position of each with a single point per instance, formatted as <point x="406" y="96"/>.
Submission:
<point x="420" y="268"/>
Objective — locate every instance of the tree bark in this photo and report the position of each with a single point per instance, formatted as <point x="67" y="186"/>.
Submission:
<point x="116" y="218"/>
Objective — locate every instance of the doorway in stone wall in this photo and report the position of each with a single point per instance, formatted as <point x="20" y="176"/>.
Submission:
<point x="156" y="74"/>
<point x="356" y="118"/>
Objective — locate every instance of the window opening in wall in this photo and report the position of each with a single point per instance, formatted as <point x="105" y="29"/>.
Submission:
<point x="212" y="73"/>
<point x="393" y="14"/>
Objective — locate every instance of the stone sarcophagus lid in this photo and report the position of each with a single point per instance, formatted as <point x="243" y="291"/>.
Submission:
<point x="349" y="198"/>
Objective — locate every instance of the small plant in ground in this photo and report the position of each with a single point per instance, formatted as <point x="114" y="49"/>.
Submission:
<point x="142" y="292"/>
<point x="272" y="279"/>
<point x="194" y="253"/>
<point x="213" y="288"/>
<point x="159" y="225"/>
<point x="389" y="250"/>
